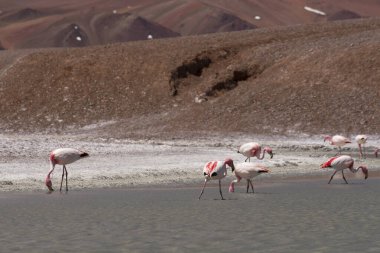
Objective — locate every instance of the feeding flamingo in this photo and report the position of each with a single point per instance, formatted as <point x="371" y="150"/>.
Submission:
<point x="252" y="149"/>
<point x="337" y="140"/>
<point x="216" y="170"/>
<point x="62" y="156"/>
<point x="340" y="163"/>
<point x="361" y="139"/>
<point x="247" y="171"/>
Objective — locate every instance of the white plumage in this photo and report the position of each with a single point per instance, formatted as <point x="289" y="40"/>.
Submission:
<point x="252" y="149"/>
<point x="62" y="156"/>
<point x="247" y="171"/>
<point x="361" y="139"/>
<point x="337" y="140"/>
<point x="340" y="163"/>
<point x="216" y="170"/>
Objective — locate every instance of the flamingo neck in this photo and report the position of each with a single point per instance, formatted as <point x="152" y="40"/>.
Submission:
<point x="262" y="155"/>
<point x="232" y="185"/>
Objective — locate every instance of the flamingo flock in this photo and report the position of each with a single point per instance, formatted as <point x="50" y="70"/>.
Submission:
<point x="217" y="170"/>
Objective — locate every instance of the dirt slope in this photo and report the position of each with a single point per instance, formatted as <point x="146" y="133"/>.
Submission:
<point x="311" y="79"/>
<point x="46" y="23"/>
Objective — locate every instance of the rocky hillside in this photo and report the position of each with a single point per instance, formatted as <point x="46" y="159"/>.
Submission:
<point x="310" y="79"/>
<point x="71" y="23"/>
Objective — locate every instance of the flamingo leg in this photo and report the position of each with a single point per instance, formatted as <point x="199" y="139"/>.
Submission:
<point x="220" y="189"/>
<point x="247" y="185"/>
<point x="360" y="151"/>
<point x="340" y="150"/>
<point x="344" y="177"/>
<point x="246" y="159"/>
<point x="67" y="188"/>
<point x="364" y="152"/>
<point x="63" y="174"/>
<point x="203" y="189"/>
<point x="250" y="181"/>
<point x="332" y="177"/>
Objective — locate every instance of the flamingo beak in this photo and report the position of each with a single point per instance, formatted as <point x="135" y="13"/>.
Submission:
<point x="271" y="155"/>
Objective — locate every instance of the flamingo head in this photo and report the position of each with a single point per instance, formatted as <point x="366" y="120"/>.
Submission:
<point x="84" y="154"/>
<point x="377" y="152"/>
<point x="230" y="163"/>
<point x="365" y="171"/>
<point x="48" y="183"/>
<point x="269" y="151"/>
<point x="326" y="138"/>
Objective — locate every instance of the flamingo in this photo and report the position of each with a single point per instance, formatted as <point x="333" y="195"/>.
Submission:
<point x="247" y="171"/>
<point x="216" y="170"/>
<point x="252" y="149"/>
<point x="337" y="140"/>
<point x="62" y="156"/>
<point x="361" y="139"/>
<point x="340" y="163"/>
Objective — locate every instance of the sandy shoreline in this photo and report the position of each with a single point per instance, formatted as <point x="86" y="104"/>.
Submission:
<point x="115" y="163"/>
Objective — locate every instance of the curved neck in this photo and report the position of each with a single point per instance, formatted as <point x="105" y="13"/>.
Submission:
<point x="262" y="155"/>
<point x="52" y="166"/>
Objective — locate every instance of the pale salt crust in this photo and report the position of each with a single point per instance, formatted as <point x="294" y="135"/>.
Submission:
<point x="113" y="163"/>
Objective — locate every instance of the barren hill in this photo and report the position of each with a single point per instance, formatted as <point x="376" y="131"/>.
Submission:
<point x="311" y="79"/>
<point x="46" y="23"/>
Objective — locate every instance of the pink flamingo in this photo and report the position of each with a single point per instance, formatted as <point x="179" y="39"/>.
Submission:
<point x="337" y="140"/>
<point x="62" y="156"/>
<point x="247" y="171"/>
<point x="252" y="149"/>
<point x="216" y="170"/>
<point x="340" y="163"/>
<point x="361" y="139"/>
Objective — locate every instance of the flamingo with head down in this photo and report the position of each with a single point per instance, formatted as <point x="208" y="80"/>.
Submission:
<point x="247" y="171"/>
<point x="62" y="156"/>
<point x="361" y="139"/>
<point x="216" y="170"/>
<point x="337" y="140"/>
<point x="340" y="163"/>
<point x="252" y="149"/>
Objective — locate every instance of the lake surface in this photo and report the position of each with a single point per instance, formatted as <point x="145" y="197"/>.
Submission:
<point x="282" y="216"/>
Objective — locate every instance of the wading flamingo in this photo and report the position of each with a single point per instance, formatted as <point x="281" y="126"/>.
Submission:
<point x="62" y="156"/>
<point x="337" y="140"/>
<point x="340" y="163"/>
<point x="216" y="170"/>
<point x="252" y="149"/>
<point x="361" y="139"/>
<point x="247" y="171"/>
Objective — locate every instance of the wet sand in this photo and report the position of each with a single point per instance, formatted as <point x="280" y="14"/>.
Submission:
<point x="282" y="216"/>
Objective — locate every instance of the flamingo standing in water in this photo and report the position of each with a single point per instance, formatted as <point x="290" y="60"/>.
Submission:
<point x="340" y="163"/>
<point x="337" y="140"/>
<point x="62" y="156"/>
<point x="216" y="170"/>
<point x="361" y="139"/>
<point x="252" y="149"/>
<point x="247" y="171"/>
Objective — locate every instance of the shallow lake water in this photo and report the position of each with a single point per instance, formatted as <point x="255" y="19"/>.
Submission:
<point x="282" y="216"/>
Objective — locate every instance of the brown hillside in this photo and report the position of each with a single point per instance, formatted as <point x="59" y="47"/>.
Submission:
<point x="45" y="23"/>
<point x="313" y="79"/>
